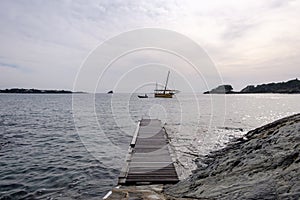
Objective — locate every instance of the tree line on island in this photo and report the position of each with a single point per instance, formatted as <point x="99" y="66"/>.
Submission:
<point x="34" y="91"/>
<point x="289" y="87"/>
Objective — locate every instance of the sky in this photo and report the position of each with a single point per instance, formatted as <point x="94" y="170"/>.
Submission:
<point x="44" y="43"/>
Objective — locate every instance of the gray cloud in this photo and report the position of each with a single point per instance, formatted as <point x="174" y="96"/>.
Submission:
<point x="10" y="65"/>
<point x="52" y="38"/>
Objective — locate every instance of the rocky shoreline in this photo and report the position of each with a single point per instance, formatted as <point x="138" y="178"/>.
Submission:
<point x="289" y="87"/>
<point x="264" y="164"/>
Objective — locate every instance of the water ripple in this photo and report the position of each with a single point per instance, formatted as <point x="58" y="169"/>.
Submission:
<point x="43" y="157"/>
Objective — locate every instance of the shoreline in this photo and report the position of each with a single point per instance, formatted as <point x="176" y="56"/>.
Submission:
<point x="264" y="164"/>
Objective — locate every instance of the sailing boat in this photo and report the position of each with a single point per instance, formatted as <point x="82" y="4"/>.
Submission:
<point x="165" y="93"/>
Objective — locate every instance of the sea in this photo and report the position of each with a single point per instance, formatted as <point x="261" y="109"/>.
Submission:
<point x="73" y="146"/>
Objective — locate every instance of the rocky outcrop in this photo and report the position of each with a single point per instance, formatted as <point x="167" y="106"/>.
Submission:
<point x="289" y="87"/>
<point x="222" y="89"/>
<point x="264" y="164"/>
<point x="248" y="89"/>
<point x="292" y="86"/>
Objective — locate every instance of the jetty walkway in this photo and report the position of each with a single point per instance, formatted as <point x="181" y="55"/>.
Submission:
<point x="148" y="160"/>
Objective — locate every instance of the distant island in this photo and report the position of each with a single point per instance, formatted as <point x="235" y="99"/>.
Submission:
<point x="289" y="87"/>
<point x="36" y="91"/>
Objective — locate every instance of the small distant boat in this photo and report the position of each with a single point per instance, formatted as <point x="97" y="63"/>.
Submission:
<point x="165" y="93"/>
<point x="110" y="92"/>
<point x="143" y="96"/>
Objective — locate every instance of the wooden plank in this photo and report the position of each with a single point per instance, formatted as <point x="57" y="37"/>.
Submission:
<point x="146" y="150"/>
<point x="149" y="169"/>
<point x="166" y="172"/>
<point x="152" y="143"/>
<point x="149" y="160"/>
<point x="152" y="159"/>
<point x="151" y="180"/>
<point x="169" y="167"/>
<point x="136" y="168"/>
<point x="150" y="173"/>
<point x="150" y="122"/>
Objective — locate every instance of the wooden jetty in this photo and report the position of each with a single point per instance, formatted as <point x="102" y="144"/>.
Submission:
<point x="148" y="160"/>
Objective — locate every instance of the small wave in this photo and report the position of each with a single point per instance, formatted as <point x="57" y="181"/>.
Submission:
<point x="4" y="142"/>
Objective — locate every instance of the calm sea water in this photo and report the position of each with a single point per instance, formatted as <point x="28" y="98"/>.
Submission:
<point x="54" y="148"/>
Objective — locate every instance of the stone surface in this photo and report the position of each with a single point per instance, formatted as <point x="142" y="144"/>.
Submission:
<point x="264" y="164"/>
<point x="146" y="192"/>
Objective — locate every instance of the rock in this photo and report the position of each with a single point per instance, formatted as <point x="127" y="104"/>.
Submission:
<point x="222" y="89"/>
<point x="265" y="165"/>
<point x="248" y="89"/>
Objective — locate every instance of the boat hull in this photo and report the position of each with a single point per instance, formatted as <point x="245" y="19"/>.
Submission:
<point x="168" y="95"/>
<point x="142" y="97"/>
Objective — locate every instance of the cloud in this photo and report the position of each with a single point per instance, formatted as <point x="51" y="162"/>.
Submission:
<point x="10" y="65"/>
<point x="52" y="38"/>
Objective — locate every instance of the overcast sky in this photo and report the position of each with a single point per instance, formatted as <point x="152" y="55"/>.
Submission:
<point x="43" y="43"/>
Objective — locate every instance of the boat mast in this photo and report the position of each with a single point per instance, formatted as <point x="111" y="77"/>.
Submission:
<point x="167" y="82"/>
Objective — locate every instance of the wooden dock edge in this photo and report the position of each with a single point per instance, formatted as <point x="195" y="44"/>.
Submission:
<point x="125" y="169"/>
<point x="172" y="152"/>
<point x="134" y="138"/>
